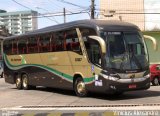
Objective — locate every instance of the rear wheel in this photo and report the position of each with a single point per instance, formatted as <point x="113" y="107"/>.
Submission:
<point x="25" y="82"/>
<point x="155" y="81"/>
<point x="79" y="87"/>
<point x="18" y="82"/>
<point x="1" y="75"/>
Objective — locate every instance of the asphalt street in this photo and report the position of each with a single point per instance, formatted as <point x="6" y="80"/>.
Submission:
<point x="11" y="97"/>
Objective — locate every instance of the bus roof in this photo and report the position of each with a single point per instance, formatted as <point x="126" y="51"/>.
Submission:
<point x="108" y="25"/>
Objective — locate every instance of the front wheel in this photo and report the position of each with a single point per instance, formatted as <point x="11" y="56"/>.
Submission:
<point x="79" y="87"/>
<point x="155" y="81"/>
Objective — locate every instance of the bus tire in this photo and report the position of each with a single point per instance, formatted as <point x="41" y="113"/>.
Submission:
<point x="18" y="82"/>
<point x="25" y="82"/>
<point x="2" y="75"/>
<point x="79" y="87"/>
<point x="155" y="81"/>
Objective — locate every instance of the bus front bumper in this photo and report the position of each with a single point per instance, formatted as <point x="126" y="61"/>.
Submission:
<point x="113" y="84"/>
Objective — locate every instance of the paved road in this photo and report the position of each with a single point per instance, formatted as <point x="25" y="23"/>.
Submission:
<point x="11" y="97"/>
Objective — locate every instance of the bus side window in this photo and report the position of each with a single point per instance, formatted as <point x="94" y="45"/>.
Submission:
<point x="57" y="42"/>
<point x="85" y="32"/>
<point x="44" y="43"/>
<point x="32" y="45"/>
<point x="93" y="51"/>
<point x="72" y="42"/>
<point x="22" y="46"/>
<point x="53" y="44"/>
<point x="7" y="47"/>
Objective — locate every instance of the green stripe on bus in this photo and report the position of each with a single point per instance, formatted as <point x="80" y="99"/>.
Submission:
<point x="86" y="80"/>
<point x="69" y="77"/>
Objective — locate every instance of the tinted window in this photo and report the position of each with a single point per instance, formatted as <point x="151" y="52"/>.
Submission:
<point x="32" y="45"/>
<point x="57" y="41"/>
<point x="85" y="32"/>
<point x="65" y="40"/>
<point x="116" y="44"/>
<point x="44" y="43"/>
<point x="14" y="46"/>
<point x="7" y="46"/>
<point x="93" y="51"/>
<point x="158" y="67"/>
<point x="22" y="46"/>
<point x="72" y="41"/>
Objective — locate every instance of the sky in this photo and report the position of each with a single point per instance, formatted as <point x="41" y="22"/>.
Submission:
<point x="49" y="6"/>
<point x="53" y="6"/>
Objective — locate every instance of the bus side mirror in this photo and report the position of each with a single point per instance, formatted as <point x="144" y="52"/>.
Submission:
<point x="101" y="42"/>
<point x="155" y="46"/>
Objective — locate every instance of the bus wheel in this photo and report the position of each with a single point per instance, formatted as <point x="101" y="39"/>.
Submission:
<point x="25" y="82"/>
<point x="155" y="81"/>
<point x="18" y="82"/>
<point x="79" y="87"/>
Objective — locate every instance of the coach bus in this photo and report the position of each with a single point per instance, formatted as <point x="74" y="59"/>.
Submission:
<point x="84" y="56"/>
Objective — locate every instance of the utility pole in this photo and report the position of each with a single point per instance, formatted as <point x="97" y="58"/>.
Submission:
<point x="64" y="14"/>
<point x="92" y="9"/>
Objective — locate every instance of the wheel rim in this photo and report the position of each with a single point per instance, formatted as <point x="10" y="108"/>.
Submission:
<point x="156" y="81"/>
<point x="81" y="87"/>
<point x="18" y="82"/>
<point x="25" y="82"/>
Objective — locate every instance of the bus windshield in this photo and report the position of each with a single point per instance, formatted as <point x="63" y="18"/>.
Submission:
<point x="126" y="51"/>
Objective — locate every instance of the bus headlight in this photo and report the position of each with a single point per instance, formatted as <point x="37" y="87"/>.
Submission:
<point x="147" y="76"/>
<point x="113" y="78"/>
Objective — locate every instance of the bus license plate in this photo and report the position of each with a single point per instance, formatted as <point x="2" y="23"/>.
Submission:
<point x="132" y="86"/>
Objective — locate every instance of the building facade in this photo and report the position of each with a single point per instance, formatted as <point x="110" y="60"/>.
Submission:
<point x="125" y="10"/>
<point x="19" y="22"/>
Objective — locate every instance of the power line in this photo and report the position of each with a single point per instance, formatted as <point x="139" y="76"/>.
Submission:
<point x="21" y="4"/>
<point x="47" y="17"/>
<point x="63" y="1"/>
<point x="61" y="13"/>
<point x="31" y="9"/>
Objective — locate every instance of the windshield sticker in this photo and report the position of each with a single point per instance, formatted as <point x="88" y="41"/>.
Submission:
<point x="92" y="68"/>
<point x="98" y="83"/>
<point x="114" y="33"/>
<point x="96" y="77"/>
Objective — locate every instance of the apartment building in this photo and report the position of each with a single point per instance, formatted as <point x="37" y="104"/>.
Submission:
<point x="19" y="22"/>
<point x="125" y="10"/>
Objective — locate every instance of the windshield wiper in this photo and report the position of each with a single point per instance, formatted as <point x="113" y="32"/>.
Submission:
<point x="123" y="58"/>
<point x="130" y="46"/>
